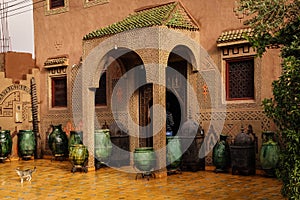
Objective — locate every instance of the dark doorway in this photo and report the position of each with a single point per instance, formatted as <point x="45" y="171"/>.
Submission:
<point x="175" y="109"/>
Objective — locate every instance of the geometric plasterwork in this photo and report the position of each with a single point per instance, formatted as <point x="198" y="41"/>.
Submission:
<point x="238" y="116"/>
<point x="15" y="102"/>
<point x="206" y="86"/>
<point x="239" y="50"/>
<point x="15" y="106"/>
<point x="233" y="122"/>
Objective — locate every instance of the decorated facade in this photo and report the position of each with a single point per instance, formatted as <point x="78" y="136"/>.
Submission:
<point x="111" y="62"/>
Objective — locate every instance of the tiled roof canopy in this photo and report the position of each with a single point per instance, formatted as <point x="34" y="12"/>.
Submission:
<point x="234" y="36"/>
<point x="172" y="15"/>
<point x="57" y="61"/>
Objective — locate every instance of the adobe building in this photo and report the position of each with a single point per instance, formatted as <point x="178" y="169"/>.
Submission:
<point x="106" y="62"/>
<point x="16" y="73"/>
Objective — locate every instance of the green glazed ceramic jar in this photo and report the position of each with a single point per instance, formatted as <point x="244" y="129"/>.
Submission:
<point x="5" y="144"/>
<point x="78" y="154"/>
<point x="26" y="143"/>
<point x="103" y="145"/>
<point x="144" y="159"/>
<point x="58" y="141"/>
<point x="221" y="155"/>
<point x="75" y="138"/>
<point x="174" y="152"/>
<point x="269" y="154"/>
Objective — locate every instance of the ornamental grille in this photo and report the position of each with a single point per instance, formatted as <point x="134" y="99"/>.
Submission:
<point x="240" y="79"/>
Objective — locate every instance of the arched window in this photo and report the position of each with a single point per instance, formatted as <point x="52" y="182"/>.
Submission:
<point x="100" y="96"/>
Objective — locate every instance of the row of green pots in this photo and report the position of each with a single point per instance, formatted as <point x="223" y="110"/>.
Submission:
<point x="26" y="144"/>
<point x="144" y="157"/>
<point x="60" y="145"/>
<point x="269" y="154"/>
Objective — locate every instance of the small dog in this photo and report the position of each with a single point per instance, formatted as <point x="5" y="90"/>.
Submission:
<point x="25" y="174"/>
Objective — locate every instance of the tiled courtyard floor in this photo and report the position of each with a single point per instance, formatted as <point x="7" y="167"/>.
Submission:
<point x="54" y="180"/>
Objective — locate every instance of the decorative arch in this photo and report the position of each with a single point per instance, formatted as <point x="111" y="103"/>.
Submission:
<point x="160" y="38"/>
<point x="185" y="53"/>
<point x="150" y="44"/>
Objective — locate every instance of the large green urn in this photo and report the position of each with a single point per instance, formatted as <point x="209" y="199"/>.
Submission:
<point x="174" y="153"/>
<point x="58" y="142"/>
<point x="269" y="154"/>
<point x="144" y="159"/>
<point x="78" y="156"/>
<point x="221" y="155"/>
<point x="103" y="146"/>
<point x="5" y="144"/>
<point x="26" y="144"/>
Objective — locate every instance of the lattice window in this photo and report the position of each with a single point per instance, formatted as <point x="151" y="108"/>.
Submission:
<point x="100" y="96"/>
<point x="240" y="79"/>
<point x="59" y="91"/>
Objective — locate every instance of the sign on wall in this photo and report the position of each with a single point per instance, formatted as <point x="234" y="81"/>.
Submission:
<point x="15" y="102"/>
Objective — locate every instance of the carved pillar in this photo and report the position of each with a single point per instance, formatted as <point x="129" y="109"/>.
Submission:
<point x="159" y="127"/>
<point x="88" y="115"/>
<point x="156" y="75"/>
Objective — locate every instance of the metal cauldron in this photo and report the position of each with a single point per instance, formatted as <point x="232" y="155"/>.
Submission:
<point x="242" y="154"/>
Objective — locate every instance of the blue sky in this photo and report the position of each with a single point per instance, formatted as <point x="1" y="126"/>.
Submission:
<point x="20" y="25"/>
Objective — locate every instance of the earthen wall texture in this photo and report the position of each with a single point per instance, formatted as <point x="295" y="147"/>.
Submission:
<point x="17" y="65"/>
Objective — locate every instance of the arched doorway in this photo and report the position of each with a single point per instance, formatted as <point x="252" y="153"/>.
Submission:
<point x="126" y="67"/>
<point x="176" y="91"/>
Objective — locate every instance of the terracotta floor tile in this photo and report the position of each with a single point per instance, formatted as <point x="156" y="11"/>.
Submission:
<point x="54" y="180"/>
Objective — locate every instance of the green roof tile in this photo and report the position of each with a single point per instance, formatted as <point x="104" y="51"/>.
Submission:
<point x="171" y="15"/>
<point x="56" y="61"/>
<point x="53" y="62"/>
<point x="235" y="35"/>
